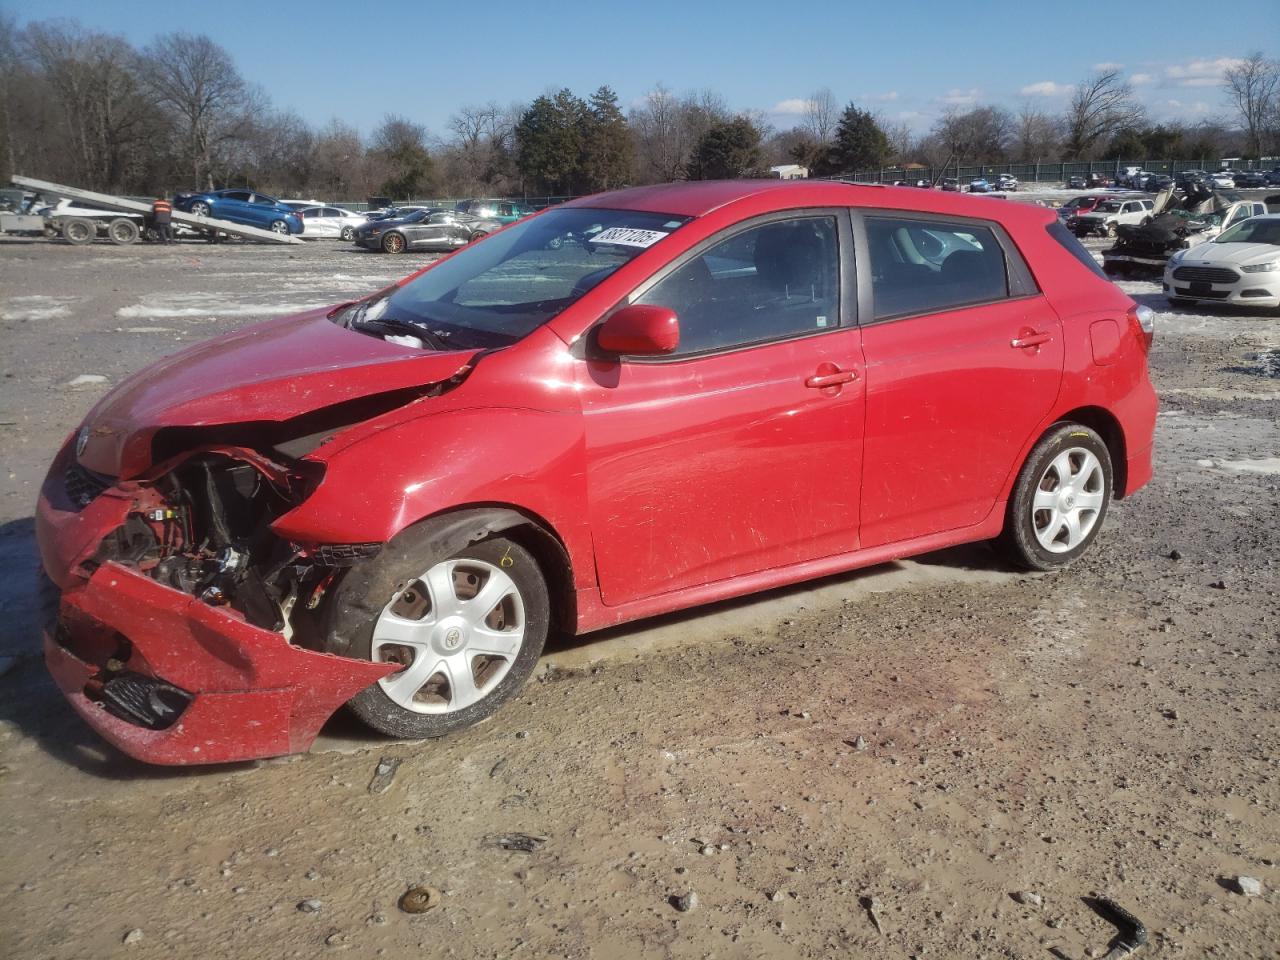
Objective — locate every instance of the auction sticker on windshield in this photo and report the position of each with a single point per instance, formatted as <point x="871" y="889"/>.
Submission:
<point x="628" y="237"/>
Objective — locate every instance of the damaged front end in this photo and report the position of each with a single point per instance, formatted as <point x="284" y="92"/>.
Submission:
<point x="177" y="636"/>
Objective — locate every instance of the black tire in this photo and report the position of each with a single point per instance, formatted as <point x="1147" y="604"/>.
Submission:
<point x="354" y="607"/>
<point x="1018" y="541"/>
<point x="78" y="230"/>
<point x="479" y="235"/>
<point x="394" y="243"/>
<point x="347" y="234"/>
<point x="200" y="209"/>
<point x="280" y="226"/>
<point x="122" y="231"/>
<point x="1111" y="230"/>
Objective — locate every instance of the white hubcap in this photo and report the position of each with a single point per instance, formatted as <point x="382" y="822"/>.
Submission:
<point x="1068" y="500"/>
<point x="456" y="630"/>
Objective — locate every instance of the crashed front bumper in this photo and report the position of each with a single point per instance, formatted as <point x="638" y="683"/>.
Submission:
<point x="243" y="692"/>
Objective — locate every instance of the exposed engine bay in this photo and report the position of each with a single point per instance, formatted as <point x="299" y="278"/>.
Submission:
<point x="204" y="528"/>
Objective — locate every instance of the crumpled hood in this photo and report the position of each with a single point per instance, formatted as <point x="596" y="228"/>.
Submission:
<point x="272" y="371"/>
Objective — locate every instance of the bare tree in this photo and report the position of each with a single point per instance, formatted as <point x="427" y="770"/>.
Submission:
<point x="197" y="82"/>
<point x="980" y="134"/>
<point x="902" y="141"/>
<point x="94" y="78"/>
<point x="660" y="135"/>
<point x="1100" y="107"/>
<point x="1252" y="87"/>
<point x="820" y="115"/>
<point x="1036" y="135"/>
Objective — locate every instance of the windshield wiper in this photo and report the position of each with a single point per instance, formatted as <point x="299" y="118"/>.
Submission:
<point x="398" y="325"/>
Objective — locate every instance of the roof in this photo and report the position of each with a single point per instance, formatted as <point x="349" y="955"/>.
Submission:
<point x="698" y="198"/>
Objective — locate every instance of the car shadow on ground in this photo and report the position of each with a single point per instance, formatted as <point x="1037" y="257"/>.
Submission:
<point x="32" y="703"/>
<point x="1161" y="304"/>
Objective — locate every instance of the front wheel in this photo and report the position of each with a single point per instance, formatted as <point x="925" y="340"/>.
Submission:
<point x="200" y="209"/>
<point x="467" y="630"/>
<point x="1059" y="500"/>
<point x="1111" y="230"/>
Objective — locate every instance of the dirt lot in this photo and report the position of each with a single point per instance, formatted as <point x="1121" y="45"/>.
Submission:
<point x="1112" y="729"/>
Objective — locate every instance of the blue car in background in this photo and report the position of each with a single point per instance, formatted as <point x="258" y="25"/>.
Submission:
<point x="241" y="206"/>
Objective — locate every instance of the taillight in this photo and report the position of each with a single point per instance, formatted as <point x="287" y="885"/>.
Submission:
<point x="1144" y="318"/>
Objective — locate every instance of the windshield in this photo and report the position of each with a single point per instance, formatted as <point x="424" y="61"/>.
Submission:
<point x="1109" y="207"/>
<point x="1257" y="230"/>
<point x="494" y="293"/>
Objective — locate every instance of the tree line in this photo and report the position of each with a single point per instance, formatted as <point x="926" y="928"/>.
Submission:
<point x="85" y="107"/>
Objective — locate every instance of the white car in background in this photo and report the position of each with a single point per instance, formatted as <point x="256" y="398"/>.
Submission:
<point x="1240" y="266"/>
<point x="1109" y="214"/>
<point x="332" y="222"/>
<point x="1223" y="181"/>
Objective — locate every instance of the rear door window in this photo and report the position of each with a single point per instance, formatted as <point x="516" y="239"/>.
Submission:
<point x="237" y="195"/>
<point x="926" y="266"/>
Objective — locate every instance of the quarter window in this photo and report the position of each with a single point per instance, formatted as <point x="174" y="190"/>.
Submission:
<point x="778" y="280"/>
<point x="925" y="266"/>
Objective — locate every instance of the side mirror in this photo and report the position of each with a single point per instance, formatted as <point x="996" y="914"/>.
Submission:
<point x="640" y="330"/>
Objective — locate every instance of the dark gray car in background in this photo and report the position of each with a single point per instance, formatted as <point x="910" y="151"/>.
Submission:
<point x="432" y="229"/>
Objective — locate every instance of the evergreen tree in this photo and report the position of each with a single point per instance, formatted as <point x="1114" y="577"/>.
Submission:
<point x="729" y="149"/>
<point x="607" y="148"/>
<point x="551" y="139"/>
<point x="859" y="144"/>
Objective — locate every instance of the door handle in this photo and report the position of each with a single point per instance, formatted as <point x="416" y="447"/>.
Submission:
<point x="833" y="379"/>
<point x="1030" y="339"/>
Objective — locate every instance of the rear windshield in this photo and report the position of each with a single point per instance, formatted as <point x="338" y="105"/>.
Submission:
<point x="1073" y="246"/>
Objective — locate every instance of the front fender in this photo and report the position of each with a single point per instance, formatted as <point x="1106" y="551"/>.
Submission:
<point x="531" y="460"/>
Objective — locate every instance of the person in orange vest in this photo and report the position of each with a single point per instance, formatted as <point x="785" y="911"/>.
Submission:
<point x="162" y="218"/>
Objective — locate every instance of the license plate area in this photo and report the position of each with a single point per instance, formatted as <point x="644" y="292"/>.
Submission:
<point x="1201" y="286"/>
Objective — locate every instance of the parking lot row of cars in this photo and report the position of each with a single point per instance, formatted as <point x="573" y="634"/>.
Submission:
<point x="389" y="229"/>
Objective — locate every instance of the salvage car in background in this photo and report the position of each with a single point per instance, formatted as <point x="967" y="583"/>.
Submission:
<point x="1105" y="219"/>
<point x="393" y="502"/>
<point x="241" y="206"/>
<point x="504" y="211"/>
<point x="331" y="222"/>
<point x="429" y="229"/>
<point x="1241" y="266"/>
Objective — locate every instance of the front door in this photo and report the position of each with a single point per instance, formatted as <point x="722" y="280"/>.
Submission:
<point x="740" y="452"/>
<point x="963" y="361"/>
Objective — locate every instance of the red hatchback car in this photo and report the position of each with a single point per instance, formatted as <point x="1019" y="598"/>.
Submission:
<point x="628" y="404"/>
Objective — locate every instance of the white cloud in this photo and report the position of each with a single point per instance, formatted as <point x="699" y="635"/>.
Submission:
<point x="793" y="106"/>
<point x="1045" y="88"/>
<point x="1196" y="108"/>
<point x="1203" y="72"/>
<point x="961" y="98"/>
<point x="1142" y="79"/>
<point x="1107" y="66"/>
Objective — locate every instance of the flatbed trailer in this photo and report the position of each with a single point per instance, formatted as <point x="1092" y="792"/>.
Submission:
<point x="106" y="201"/>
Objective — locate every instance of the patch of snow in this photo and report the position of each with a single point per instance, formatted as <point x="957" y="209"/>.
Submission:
<point x="37" y="308"/>
<point x="207" y="305"/>
<point x="1267" y="465"/>
<point x="85" y="379"/>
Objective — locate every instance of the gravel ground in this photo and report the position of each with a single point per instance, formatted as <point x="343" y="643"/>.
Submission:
<point x="936" y="758"/>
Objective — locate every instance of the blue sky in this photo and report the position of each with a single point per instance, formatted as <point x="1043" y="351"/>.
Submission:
<point x="358" y="61"/>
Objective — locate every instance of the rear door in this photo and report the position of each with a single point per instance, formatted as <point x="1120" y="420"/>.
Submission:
<point x="963" y="360"/>
<point x="741" y="452"/>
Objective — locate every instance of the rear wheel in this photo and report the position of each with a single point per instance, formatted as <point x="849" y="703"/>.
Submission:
<point x="467" y="630"/>
<point x="122" y="231"/>
<point x="1059" y="500"/>
<point x="78" y="230"/>
<point x="279" y="226"/>
<point x="393" y="243"/>
<point x="347" y="234"/>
